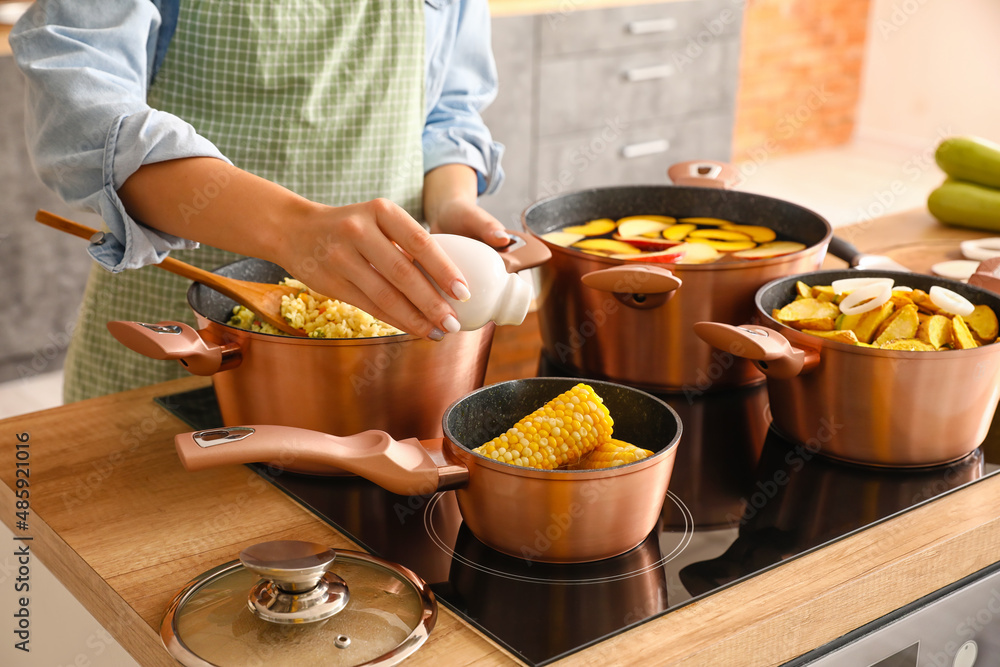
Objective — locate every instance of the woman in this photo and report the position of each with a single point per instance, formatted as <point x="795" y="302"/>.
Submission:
<point x="310" y="134"/>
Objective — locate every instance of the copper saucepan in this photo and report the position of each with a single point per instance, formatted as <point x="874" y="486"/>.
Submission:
<point x="399" y="384"/>
<point x="629" y="321"/>
<point x="558" y="516"/>
<point x="868" y="405"/>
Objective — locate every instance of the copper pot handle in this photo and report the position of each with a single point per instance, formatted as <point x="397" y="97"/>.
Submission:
<point x="771" y="352"/>
<point x="400" y="466"/>
<point x="525" y="251"/>
<point x="704" y="174"/>
<point x="176" y="340"/>
<point x="987" y="275"/>
<point x="640" y="286"/>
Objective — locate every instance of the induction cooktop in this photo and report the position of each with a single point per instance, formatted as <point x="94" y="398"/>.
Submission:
<point x="741" y="500"/>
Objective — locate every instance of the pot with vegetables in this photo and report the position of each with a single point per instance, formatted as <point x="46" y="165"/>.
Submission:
<point x="880" y="368"/>
<point x="545" y="469"/>
<point x="634" y="267"/>
<point x="351" y="373"/>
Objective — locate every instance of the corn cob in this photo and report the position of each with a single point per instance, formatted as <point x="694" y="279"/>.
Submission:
<point x="555" y="435"/>
<point x="610" y="454"/>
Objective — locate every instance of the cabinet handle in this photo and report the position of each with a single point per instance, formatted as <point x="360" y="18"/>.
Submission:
<point x="645" y="148"/>
<point x="649" y="73"/>
<point x="650" y="26"/>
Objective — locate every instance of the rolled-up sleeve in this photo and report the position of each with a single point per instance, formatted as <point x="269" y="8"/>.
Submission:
<point x="88" y="64"/>
<point x="461" y="82"/>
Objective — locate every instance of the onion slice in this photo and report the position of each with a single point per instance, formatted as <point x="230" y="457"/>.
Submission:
<point x="950" y="302"/>
<point x="866" y="298"/>
<point x="851" y="284"/>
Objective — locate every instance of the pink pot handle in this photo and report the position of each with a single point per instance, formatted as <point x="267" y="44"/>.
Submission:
<point x="704" y="174"/>
<point x="172" y="340"/>
<point x="987" y="275"/>
<point x="641" y="286"/>
<point x="524" y="252"/>
<point x="400" y="466"/>
<point x="771" y="352"/>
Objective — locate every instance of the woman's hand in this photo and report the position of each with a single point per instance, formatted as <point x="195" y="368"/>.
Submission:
<point x="353" y="253"/>
<point x="450" y="206"/>
<point x="346" y="252"/>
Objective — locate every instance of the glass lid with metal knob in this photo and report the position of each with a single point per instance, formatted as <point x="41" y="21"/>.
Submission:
<point x="299" y="603"/>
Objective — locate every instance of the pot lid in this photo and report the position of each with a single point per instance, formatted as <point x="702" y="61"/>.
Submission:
<point x="299" y="603"/>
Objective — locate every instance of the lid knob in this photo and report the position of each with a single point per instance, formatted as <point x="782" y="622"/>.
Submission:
<point x="296" y="585"/>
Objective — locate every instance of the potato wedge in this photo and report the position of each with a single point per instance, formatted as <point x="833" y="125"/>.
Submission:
<point x="824" y="293"/>
<point x="901" y="299"/>
<point x="983" y="323"/>
<point x="803" y="290"/>
<point x="807" y="309"/>
<point x="923" y="301"/>
<point x="864" y="325"/>
<point x="961" y="337"/>
<point x="845" y="336"/>
<point x="911" y="344"/>
<point x="815" y="324"/>
<point x="902" y="324"/>
<point x="935" y="330"/>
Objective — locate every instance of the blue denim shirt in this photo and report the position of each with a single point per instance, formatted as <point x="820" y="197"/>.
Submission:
<point x="89" y="63"/>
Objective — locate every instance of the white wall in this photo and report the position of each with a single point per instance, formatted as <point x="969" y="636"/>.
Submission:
<point x="932" y="69"/>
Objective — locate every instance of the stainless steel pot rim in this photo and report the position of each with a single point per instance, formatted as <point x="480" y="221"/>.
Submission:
<point x="179" y="651"/>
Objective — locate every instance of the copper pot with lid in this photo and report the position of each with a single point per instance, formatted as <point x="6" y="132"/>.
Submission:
<point x="400" y="384"/>
<point x="557" y="516"/>
<point x="868" y="405"/>
<point x="630" y="321"/>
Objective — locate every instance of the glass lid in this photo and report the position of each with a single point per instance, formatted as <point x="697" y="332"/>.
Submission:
<point x="370" y="611"/>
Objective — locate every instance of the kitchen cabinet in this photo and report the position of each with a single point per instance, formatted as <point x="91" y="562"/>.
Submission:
<point x="610" y="96"/>
<point x="123" y="526"/>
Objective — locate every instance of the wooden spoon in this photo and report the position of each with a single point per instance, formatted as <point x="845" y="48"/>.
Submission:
<point x="264" y="299"/>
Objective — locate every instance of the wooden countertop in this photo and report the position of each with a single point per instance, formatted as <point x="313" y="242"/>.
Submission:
<point x="115" y="517"/>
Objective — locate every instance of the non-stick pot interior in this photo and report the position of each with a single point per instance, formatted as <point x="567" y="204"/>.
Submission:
<point x="780" y="292"/>
<point x="789" y="220"/>
<point x="218" y="308"/>
<point x="639" y="418"/>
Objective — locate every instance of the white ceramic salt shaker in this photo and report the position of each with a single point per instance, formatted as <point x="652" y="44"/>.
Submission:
<point x="497" y="296"/>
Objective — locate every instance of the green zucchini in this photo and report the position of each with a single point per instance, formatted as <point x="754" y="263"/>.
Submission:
<point x="971" y="159"/>
<point x="965" y="204"/>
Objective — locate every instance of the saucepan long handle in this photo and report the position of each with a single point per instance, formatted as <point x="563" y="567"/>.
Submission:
<point x="400" y="466"/>
<point x="769" y="350"/>
<point x="178" y="341"/>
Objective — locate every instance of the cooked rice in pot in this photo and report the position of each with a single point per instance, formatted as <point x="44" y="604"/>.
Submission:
<point x="319" y="316"/>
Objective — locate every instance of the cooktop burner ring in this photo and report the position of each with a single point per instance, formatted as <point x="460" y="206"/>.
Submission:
<point x="442" y="544"/>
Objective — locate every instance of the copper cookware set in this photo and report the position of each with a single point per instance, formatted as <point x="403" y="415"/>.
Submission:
<point x="687" y="328"/>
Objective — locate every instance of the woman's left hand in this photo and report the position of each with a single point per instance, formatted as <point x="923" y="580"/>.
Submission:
<point x="450" y="206"/>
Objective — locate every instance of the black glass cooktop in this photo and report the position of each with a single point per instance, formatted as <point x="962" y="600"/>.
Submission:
<point x="741" y="500"/>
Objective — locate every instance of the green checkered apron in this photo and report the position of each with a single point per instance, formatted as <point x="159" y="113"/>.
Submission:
<point x="324" y="98"/>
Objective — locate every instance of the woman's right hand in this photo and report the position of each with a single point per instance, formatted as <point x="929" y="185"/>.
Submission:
<point x="360" y="253"/>
<point x="364" y="254"/>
